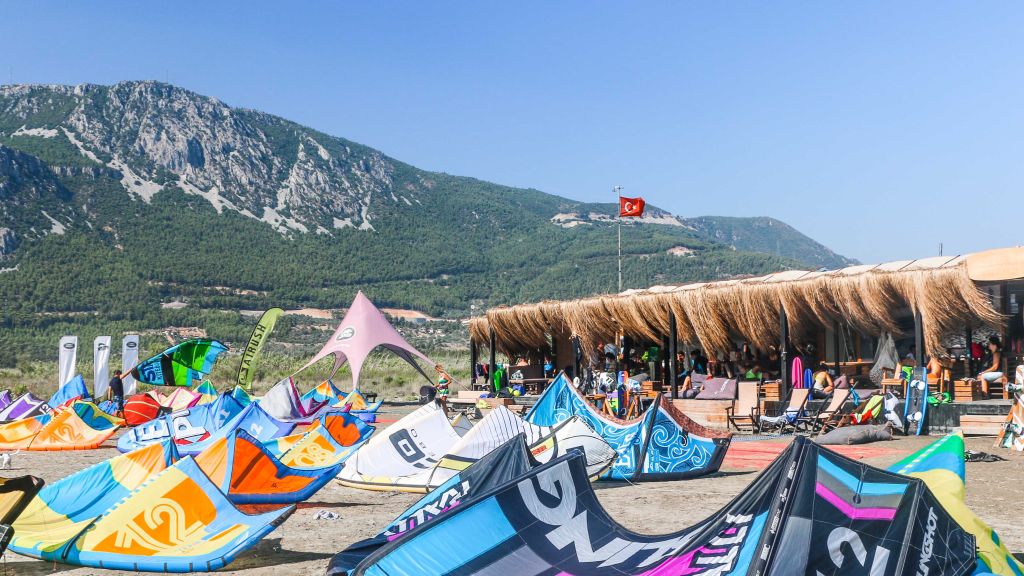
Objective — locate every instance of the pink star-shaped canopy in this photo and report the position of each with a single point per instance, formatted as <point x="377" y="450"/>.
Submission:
<point x="362" y="329"/>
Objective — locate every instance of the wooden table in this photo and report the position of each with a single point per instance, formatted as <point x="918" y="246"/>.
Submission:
<point x="855" y="367"/>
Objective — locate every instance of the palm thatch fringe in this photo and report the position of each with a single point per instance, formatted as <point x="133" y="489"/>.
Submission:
<point x="715" y="314"/>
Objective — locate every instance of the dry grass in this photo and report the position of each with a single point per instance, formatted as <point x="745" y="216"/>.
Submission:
<point x="383" y="373"/>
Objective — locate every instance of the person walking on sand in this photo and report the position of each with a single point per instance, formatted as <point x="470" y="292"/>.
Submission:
<point x="115" y="392"/>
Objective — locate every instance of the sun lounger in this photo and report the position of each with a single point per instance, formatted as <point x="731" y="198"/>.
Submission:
<point x="830" y="416"/>
<point x="790" y="417"/>
<point x="744" y="414"/>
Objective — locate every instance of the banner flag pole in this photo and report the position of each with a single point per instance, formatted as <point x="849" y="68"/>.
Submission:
<point x="618" y="225"/>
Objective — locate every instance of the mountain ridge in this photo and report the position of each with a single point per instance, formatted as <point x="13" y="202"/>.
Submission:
<point x="179" y="192"/>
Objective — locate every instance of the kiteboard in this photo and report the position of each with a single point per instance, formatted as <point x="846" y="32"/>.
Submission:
<point x="1012" y="433"/>
<point x="916" y="407"/>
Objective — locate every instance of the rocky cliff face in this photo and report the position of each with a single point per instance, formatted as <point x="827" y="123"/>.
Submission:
<point x="158" y="136"/>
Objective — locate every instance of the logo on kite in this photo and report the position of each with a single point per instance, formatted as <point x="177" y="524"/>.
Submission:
<point x="131" y="344"/>
<point x="346" y="333"/>
<point x="102" y="346"/>
<point x="405" y="445"/>
<point x="69" y="345"/>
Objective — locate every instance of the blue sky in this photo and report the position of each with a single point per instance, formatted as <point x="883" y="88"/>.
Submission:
<point x="880" y="129"/>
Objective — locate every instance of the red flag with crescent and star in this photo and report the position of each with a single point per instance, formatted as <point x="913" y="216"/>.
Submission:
<point x="631" y="207"/>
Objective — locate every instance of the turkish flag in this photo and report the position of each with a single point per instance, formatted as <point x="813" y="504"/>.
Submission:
<point x="631" y="207"/>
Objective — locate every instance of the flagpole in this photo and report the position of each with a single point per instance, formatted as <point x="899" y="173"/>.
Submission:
<point x="618" y="225"/>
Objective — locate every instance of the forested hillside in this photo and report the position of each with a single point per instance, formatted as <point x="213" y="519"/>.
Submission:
<point x="119" y="200"/>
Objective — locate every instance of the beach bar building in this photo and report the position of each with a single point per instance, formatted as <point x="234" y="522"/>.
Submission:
<point x="931" y="306"/>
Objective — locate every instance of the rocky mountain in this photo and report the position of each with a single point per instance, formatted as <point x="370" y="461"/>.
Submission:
<point x="189" y="200"/>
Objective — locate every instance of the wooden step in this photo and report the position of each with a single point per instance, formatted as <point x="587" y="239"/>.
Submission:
<point x="982" y="424"/>
<point x="710" y="413"/>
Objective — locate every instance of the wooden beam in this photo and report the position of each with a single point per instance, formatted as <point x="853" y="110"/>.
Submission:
<point x="835" y="348"/>
<point x="784" y="352"/>
<point x="474" y="353"/>
<point x="919" y="338"/>
<point x="673" y="350"/>
<point x="493" y="364"/>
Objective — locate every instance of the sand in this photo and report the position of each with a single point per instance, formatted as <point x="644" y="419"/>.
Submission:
<point x="303" y="545"/>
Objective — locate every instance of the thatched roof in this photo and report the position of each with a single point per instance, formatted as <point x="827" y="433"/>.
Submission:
<point x="865" y="297"/>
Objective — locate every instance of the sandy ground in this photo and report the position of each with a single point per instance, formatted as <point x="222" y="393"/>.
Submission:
<point x="303" y="545"/>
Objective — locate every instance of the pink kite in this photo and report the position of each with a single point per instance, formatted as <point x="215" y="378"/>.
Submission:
<point x="362" y="329"/>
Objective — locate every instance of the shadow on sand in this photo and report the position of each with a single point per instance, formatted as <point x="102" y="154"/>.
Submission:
<point x="270" y="553"/>
<point x="613" y="484"/>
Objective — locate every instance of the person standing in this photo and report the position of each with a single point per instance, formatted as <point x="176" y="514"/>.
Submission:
<point x="115" y="392"/>
<point x="443" y="381"/>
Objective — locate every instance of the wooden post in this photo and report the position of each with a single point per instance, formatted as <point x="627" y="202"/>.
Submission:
<point x="784" y="352"/>
<point x="493" y="365"/>
<point x="664" y="364"/>
<point x="577" y="351"/>
<point x="919" y="338"/>
<point x="474" y="353"/>
<point x="835" y="347"/>
<point x="968" y="359"/>
<point x="1004" y="290"/>
<point x="673" y="351"/>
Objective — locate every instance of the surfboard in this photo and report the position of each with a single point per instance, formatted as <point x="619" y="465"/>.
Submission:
<point x="916" y="407"/>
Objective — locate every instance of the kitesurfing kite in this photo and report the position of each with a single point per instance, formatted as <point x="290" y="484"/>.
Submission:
<point x="181" y="364"/>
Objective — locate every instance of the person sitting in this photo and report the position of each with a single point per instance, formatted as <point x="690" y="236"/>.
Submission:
<point x="752" y="372"/>
<point x="549" y="367"/>
<point x="692" y="385"/>
<point x="772" y="364"/>
<point x="698" y="362"/>
<point x="905" y="367"/>
<point x="938" y="368"/>
<point x="823" y="384"/>
<point x="994" y="372"/>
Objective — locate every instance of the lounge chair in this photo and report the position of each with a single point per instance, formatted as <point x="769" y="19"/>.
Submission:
<point x="869" y="412"/>
<point x="744" y="413"/>
<point x="790" y="416"/>
<point x="830" y="416"/>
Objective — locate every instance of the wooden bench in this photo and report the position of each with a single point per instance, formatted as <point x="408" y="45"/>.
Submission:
<point x="711" y="413"/>
<point x="982" y="424"/>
